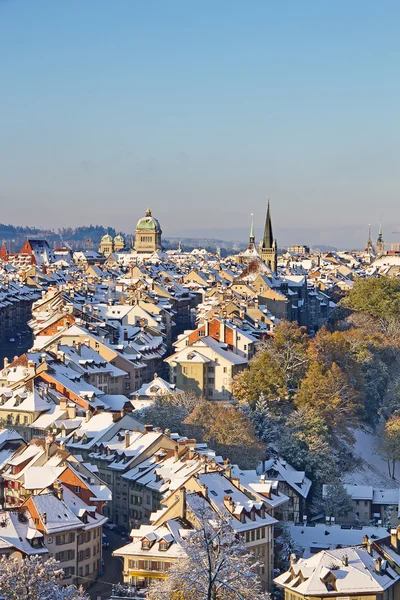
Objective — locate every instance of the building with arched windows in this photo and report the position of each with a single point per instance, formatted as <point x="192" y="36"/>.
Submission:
<point x="148" y="235"/>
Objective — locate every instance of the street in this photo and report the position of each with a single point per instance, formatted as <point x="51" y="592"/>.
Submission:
<point x="112" y="569"/>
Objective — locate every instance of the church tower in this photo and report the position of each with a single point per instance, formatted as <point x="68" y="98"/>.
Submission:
<point x="380" y="244"/>
<point x="369" y="248"/>
<point x="252" y="239"/>
<point x="268" y="248"/>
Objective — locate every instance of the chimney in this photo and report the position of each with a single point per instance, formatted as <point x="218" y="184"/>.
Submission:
<point x="176" y="453"/>
<point x="222" y="331"/>
<point x="182" y="502"/>
<point x="394" y="540"/>
<point x="5" y="362"/>
<point x="44" y="518"/>
<point x="148" y="428"/>
<point x="345" y="560"/>
<point x="229" y="503"/>
<point x="127" y="438"/>
<point x="234" y="334"/>
<point x="167" y="432"/>
<point x="292" y="559"/>
<point x="378" y="565"/>
<point x="71" y="409"/>
<point x="88" y="414"/>
<point x="59" y="492"/>
<point x="48" y="442"/>
<point x="367" y="542"/>
<point x="206" y="327"/>
<point x="87" y="342"/>
<point x="204" y="489"/>
<point x="63" y="404"/>
<point x="228" y="468"/>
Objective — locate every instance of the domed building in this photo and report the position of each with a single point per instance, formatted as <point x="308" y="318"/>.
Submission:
<point x="148" y="235"/>
<point x="106" y="245"/>
<point x="119" y="243"/>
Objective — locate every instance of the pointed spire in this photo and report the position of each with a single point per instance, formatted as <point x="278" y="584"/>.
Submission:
<point x="380" y="234"/>
<point x="252" y="236"/>
<point x="268" y="235"/>
<point x="369" y="247"/>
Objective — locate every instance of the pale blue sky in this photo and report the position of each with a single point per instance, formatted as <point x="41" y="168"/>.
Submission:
<point x="201" y="109"/>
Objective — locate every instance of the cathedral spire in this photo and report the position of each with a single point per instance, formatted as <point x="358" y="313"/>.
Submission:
<point x="268" y="239"/>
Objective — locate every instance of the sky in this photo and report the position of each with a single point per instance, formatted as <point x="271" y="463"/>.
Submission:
<point x="201" y="110"/>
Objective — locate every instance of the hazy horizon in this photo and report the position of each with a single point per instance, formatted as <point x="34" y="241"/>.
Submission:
<point x="201" y="111"/>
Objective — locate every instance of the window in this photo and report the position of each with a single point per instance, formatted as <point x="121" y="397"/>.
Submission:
<point x="365" y="502"/>
<point x="68" y="572"/>
<point x="225" y="370"/>
<point x="163" y="546"/>
<point x="25" y="420"/>
<point x="78" y="489"/>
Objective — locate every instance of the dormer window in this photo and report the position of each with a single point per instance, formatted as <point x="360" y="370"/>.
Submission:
<point x="163" y="546"/>
<point x="146" y="544"/>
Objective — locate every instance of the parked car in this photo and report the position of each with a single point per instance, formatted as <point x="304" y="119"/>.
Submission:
<point x="104" y="542"/>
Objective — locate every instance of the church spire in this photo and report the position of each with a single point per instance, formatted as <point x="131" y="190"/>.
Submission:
<point x="268" y="249"/>
<point x="252" y="236"/>
<point x="369" y="248"/>
<point x="380" y="234"/>
<point x="268" y="239"/>
<point x="380" y="244"/>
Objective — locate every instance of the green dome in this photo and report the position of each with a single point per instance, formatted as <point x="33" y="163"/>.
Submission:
<point x="106" y="239"/>
<point x="119" y="239"/>
<point x="148" y="223"/>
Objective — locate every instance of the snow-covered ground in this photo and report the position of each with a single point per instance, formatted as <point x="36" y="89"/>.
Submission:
<point x="374" y="469"/>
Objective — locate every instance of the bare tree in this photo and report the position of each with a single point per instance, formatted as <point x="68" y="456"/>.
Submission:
<point x="216" y="565"/>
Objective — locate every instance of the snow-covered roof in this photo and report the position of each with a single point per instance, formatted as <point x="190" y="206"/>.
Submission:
<point x="328" y="574"/>
<point x="319" y="536"/>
